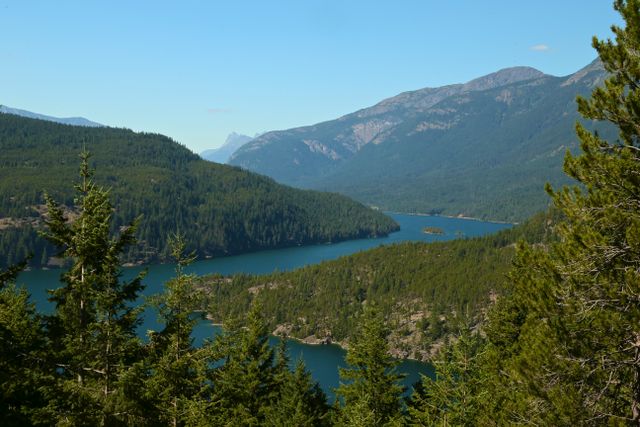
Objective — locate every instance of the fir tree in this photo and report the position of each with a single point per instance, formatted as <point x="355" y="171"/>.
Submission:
<point x="456" y="394"/>
<point x="245" y="384"/>
<point x="577" y="352"/>
<point x="23" y="353"/>
<point x="178" y="369"/>
<point x="94" y="325"/>
<point x="371" y="387"/>
<point x="300" y="401"/>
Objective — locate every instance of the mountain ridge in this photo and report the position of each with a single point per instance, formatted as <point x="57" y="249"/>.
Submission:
<point x="74" y="121"/>
<point x="435" y="149"/>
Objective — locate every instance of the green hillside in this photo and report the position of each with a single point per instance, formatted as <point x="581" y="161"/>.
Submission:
<point x="220" y="209"/>
<point x="421" y="287"/>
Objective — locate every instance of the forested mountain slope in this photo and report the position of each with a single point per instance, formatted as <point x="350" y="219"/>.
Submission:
<point x="220" y="209"/>
<point x="424" y="289"/>
<point x="483" y="149"/>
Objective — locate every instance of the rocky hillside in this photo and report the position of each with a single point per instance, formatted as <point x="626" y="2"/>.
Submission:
<point x="482" y="149"/>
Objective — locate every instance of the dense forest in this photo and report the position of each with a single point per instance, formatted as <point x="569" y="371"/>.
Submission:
<point x="220" y="209"/>
<point x="85" y="365"/>
<point x="559" y="347"/>
<point x="424" y="289"/>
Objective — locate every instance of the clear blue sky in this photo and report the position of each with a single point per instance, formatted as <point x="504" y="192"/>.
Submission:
<point x="198" y="70"/>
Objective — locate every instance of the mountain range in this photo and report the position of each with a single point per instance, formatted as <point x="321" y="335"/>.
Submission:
<point x="483" y="149"/>
<point x="223" y="153"/>
<point x="75" y="121"/>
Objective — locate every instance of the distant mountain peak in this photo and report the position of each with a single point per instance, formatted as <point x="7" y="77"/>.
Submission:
<point x="594" y="71"/>
<point x="504" y="77"/>
<point x="223" y="153"/>
<point x="74" y="121"/>
<point x="425" y="98"/>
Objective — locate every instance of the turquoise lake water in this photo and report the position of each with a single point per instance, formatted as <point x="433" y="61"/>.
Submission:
<point x="322" y="361"/>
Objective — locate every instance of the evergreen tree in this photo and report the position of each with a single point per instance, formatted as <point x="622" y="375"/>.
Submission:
<point x="23" y="356"/>
<point x="178" y="370"/>
<point x="94" y="325"/>
<point x="11" y="273"/>
<point x="371" y="390"/>
<point x="300" y="400"/>
<point x="245" y="383"/>
<point x="576" y="358"/>
<point x="456" y="394"/>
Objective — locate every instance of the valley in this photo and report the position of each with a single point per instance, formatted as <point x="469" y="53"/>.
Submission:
<point x="460" y="254"/>
<point x="322" y="362"/>
<point x="221" y="209"/>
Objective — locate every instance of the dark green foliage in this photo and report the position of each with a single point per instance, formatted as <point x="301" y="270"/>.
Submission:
<point x="300" y="401"/>
<point x="564" y="348"/>
<point x="175" y="386"/>
<point x="23" y="359"/>
<point x="456" y="394"/>
<point x="324" y="300"/>
<point x="221" y="209"/>
<point x="93" y="328"/>
<point x="251" y="386"/>
<point x="370" y="386"/>
<point x="245" y="383"/>
<point x="10" y="274"/>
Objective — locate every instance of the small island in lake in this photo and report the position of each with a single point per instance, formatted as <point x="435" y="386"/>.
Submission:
<point x="433" y="230"/>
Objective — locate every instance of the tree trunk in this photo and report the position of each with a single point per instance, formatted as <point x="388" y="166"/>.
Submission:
<point x="635" y="403"/>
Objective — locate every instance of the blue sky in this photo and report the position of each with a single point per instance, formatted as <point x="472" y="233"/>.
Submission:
<point x="198" y="70"/>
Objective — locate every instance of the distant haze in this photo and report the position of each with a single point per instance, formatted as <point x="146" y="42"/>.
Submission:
<point x="223" y="153"/>
<point x="76" y="121"/>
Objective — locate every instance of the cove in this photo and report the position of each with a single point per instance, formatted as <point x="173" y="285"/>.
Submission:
<point x="322" y="361"/>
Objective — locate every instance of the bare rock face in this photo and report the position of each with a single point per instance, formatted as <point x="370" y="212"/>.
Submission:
<point x="593" y="72"/>
<point x="283" y="330"/>
<point x="313" y="340"/>
<point x="314" y="149"/>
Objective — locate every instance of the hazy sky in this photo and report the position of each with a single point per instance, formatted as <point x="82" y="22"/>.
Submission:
<point x="198" y="70"/>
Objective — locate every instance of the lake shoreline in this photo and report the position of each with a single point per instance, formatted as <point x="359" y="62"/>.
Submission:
<point x="140" y="264"/>
<point x="321" y="358"/>
<point x="469" y="218"/>
<point x="312" y="340"/>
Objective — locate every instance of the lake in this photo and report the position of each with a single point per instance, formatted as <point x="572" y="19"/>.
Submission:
<point x="322" y="361"/>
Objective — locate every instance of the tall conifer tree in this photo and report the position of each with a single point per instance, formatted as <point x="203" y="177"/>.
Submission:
<point x="371" y="389"/>
<point x="455" y="396"/>
<point x="178" y="369"/>
<point x="299" y="400"/>
<point x="246" y="383"/>
<point x="577" y="322"/>
<point x="23" y="353"/>
<point x="94" y="325"/>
